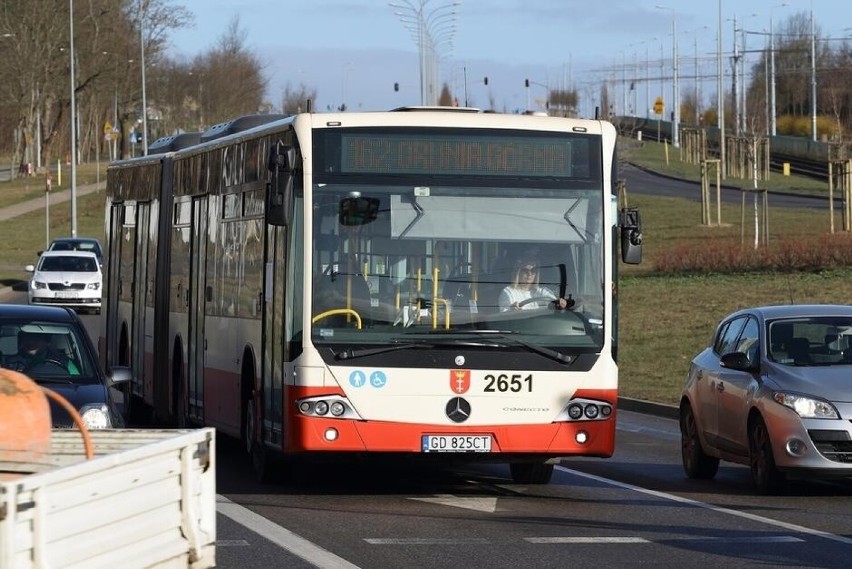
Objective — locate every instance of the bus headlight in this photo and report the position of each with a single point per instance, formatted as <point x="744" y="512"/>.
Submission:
<point x="586" y="410"/>
<point x="575" y="411"/>
<point x="337" y="408"/>
<point x="329" y="406"/>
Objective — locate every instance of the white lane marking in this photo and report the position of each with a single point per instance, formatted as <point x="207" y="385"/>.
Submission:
<point x="547" y="540"/>
<point x="282" y="537"/>
<point x="719" y="509"/>
<point x="744" y="539"/>
<point x="479" y="504"/>
<point x="231" y="543"/>
<point x="611" y="539"/>
<point x="428" y="541"/>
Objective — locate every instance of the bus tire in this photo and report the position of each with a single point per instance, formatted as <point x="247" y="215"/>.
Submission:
<point x="531" y="472"/>
<point x="264" y="462"/>
<point x="179" y="389"/>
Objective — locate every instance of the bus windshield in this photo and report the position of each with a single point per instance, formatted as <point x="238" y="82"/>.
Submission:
<point x="401" y="262"/>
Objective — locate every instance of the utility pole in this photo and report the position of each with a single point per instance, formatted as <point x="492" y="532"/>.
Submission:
<point x="735" y="61"/>
<point x="720" y="92"/>
<point x="73" y="123"/>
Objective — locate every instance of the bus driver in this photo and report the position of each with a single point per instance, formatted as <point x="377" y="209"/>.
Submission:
<point x="525" y="287"/>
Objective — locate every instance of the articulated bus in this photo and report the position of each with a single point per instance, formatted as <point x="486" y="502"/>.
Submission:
<point x="330" y="283"/>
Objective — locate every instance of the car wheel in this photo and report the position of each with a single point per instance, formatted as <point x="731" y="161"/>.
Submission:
<point x="531" y="472"/>
<point x="765" y="475"/>
<point x="696" y="463"/>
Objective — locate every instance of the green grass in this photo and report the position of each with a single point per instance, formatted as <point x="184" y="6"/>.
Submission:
<point x="665" y="320"/>
<point x="26" y="235"/>
<point x="28" y="187"/>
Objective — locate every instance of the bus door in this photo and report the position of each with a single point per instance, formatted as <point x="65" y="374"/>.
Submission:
<point x="198" y="299"/>
<point x="140" y="293"/>
<point x="273" y="335"/>
<point x="111" y="313"/>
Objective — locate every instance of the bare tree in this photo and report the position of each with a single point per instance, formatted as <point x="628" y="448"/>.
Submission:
<point x="232" y="76"/>
<point x="294" y="100"/>
<point x="107" y="78"/>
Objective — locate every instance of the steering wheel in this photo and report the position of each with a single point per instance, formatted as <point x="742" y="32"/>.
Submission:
<point x="537" y="299"/>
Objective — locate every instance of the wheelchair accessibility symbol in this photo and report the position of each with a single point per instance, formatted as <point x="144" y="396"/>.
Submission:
<point x="378" y="379"/>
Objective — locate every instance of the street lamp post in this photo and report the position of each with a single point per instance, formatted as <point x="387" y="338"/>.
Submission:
<point x="675" y="93"/>
<point x="142" y="61"/>
<point x="772" y="112"/>
<point x="73" y="123"/>
<point x="424" y="26"/>
<point x="813" y="78"/>
<point x="720" y="94"/>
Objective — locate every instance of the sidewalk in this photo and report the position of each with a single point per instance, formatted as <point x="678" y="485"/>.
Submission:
<point x="35" y="204"/>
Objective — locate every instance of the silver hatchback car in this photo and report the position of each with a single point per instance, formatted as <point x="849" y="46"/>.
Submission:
<point x="773" y="391"/>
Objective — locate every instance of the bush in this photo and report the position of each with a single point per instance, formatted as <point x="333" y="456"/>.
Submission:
<point x="802" y="126"/>
<point x="786" y="255"/>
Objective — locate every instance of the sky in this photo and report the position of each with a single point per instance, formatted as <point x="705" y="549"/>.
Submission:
<point x="354" y="51"/>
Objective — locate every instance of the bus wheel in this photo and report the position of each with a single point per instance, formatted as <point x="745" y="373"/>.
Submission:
<point x="531" y="472"/>
<point x="181" y="409"/>
<point x="263" y="462"/>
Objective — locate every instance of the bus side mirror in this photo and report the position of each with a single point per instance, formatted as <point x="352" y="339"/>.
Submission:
<point x="631" y="236"/>
<point x="279" y="189"/>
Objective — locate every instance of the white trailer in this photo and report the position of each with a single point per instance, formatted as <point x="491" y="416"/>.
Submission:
<point x="146" y="499"/>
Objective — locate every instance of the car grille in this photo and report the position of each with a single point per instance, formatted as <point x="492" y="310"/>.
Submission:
<point x="833" y="445"/>
<point x="63" y="286"/>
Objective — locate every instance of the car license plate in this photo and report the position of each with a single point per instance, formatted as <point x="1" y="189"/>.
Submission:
<point x="67" y="294"/>
<point x="456" y="443"/>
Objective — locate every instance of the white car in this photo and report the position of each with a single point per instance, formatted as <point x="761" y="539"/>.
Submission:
<point x="67" y="278"/>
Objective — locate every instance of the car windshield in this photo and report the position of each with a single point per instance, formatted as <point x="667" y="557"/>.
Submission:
<point x="824" y="340"/>
<point x="46" y="351"/>
<point x="70" y="263"/>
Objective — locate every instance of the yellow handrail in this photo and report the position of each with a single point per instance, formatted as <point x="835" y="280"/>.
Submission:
<point x="335" y="311"/>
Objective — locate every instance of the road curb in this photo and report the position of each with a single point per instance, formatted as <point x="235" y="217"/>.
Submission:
<point x="649" y="407"/>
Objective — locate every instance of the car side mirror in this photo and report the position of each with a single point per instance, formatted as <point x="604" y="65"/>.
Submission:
<point x="738" y="361"/>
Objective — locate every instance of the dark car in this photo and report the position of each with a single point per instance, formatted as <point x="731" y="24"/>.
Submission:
<point x="77" y="244"/>
<point x="772" y="390"/>
<point x="50" y="345"/>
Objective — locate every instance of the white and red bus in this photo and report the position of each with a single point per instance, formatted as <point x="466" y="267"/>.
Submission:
<point x="330" y="283"/>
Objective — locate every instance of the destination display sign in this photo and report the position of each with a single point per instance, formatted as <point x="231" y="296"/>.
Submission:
<point x="462" y="153"/>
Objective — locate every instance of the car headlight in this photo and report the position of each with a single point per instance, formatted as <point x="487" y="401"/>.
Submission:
<point x="806" y="407"/>
<point x="96" y="416"/>
<point x="93" y="286"/>
<point x="39" y="285"/>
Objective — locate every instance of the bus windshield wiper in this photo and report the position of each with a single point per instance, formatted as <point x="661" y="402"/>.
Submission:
<point x="501" y="334"/>
<point x="544" y="351"/>
<point x="349" y="353"/>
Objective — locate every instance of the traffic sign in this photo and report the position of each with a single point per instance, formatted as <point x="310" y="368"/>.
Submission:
<point x="658" y="106"/>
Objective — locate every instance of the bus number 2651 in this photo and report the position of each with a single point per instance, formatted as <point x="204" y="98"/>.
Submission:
<point x="503" y="383"/>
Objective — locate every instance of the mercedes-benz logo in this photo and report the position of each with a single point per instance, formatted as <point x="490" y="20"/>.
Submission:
<point x="458" y="410"/>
